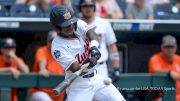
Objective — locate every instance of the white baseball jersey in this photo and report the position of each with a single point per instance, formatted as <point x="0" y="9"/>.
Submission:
<point x="106" y="36"/>
<point x="66" y="50"/>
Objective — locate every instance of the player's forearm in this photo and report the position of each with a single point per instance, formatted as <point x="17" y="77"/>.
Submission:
<point x="75" y="66"/>
<point x="4" y="69"/>
<point x="42" y="65"/>
<point x="115" y="64"/>
<point x="162" y="71"/>
<point x="92" y="35"/>
<point x="22" y="66"/>
<point x="114" y="55"/>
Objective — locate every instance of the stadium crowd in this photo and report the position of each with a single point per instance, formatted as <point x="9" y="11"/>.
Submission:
<point x="121" y="9"/>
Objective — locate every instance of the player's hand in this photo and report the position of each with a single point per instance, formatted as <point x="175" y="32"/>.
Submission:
<point x="174" y="75"/>
<point x="115" y="75"/>
<point x="14" y="72"/>
<point x="94" y="52"/>
<point x="44" y="72"/>
<point x="12" y="54"/>
<point x="94" y="56"/>
<point x="92" y="61"/>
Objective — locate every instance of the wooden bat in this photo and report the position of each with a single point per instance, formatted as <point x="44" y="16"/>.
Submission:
<point x="69" y="4"/>
<point x="64" y="84"/>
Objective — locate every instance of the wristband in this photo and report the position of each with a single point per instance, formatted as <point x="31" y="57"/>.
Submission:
<point x="94" y="43"/>
<point x="114" y="56"/>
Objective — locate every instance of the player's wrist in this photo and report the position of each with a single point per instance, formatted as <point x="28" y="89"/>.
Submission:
<point x="115" y="56"/>
<point x="116" y="71"/>
<point x="115" y="74"/>
<point x="41" y="68"/>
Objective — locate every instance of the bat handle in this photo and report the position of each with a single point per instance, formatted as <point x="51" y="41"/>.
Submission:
<point x="60" y="88"/>
<point x="63" y="85"/>
<point x="55" y="92"/>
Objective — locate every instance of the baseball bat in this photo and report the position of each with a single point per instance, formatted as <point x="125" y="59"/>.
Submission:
<point x="64" y="84"/>
<point x="69" y="4"/>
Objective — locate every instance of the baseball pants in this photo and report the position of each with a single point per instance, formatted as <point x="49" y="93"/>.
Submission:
<point x="92" y="89"/>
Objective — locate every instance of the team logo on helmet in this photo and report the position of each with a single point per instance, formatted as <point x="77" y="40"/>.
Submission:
<point x="67" y="15"/>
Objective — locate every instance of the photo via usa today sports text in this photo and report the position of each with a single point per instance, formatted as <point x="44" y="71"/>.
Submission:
<point x="148" y="88"/>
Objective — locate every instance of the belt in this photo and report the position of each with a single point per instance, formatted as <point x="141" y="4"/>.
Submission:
<point x="90" y="75"/>
<point x="100" y="63"/>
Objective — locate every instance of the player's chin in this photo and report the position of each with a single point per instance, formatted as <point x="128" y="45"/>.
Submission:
<point x="69" y="34"/>
<point x="87" y="16"/>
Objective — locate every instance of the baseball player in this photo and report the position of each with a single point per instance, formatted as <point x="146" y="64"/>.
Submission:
<point x="106" y="37"/>
<point x="11" y="63"/>
<point x="76" y="44"/>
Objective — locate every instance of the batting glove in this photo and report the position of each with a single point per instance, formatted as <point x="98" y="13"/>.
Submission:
<point x="115" y="75"/>
<point x="94" y="52"/>
<point x="94" y="56"/>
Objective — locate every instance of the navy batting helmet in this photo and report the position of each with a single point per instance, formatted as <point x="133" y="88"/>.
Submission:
<point x="62" y="16"/>
<point x="87" y="2"/>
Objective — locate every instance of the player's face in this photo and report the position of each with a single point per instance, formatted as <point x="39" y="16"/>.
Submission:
<point x="68" y="30"/>
<point x="169" y="50"/>
<point x="5" y="52"/>
<point x="87" y="11"/>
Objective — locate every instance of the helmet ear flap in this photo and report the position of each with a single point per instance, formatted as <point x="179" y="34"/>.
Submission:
<point x="79" y="8"/>
<point x="94" y="8"/>
<point x="75" y="24"/>
<point x="58" y="27"/>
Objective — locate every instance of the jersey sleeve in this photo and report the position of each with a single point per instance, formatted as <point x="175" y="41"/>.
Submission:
<point x="63" y="57"/>
<point x="40" y="55"/>
<point x="110" y="35"/>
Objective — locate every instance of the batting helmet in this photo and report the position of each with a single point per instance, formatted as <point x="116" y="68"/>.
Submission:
<point x="62" y="16"/>
<point x="87" y="2"/>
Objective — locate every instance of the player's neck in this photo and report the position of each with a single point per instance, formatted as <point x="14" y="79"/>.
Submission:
<point x="89" y="20"/>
